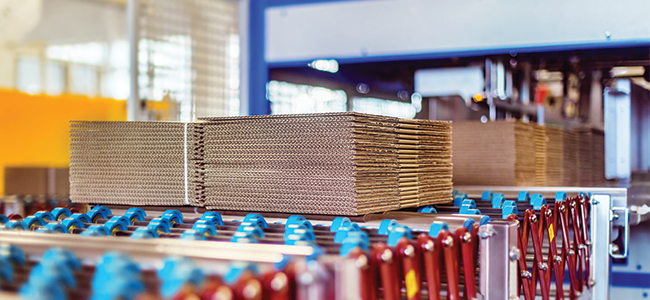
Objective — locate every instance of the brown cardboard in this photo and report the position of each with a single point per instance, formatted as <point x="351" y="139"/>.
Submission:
<point x="36" y="181"/>
<point x="333" y="163"/>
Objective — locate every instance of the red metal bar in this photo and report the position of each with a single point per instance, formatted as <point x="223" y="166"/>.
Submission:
<point x="367" y="278"/>
<point x="526" y="277"/>
<point x="187" y="292"/>
<point x="14" y="217"/>
<point x="529" y="231"/>
<point x="553" y="258"/>
<point x="568" y="251"/>
<point x="578" y="246"/>
<point x="408" y="257"/>
<point x="384" y="261"/>
<point x="277" y="285"/>
<point x="215" y="288"/>
<point x="247" y="287"/>
<point x="469" y="268"/>
<point x="524" y="233"/>
<point x="584" y="222"/>
<point x="537" y="247"/>
<point x="430" y="252"/>
<point x="543" y="227"/>
<point x="446" y="239"/>
<point x="475" y="229"/>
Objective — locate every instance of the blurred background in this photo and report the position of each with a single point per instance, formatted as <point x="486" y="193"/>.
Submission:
<point x="574" y="64"/>
<point x="569" y="64"/>
<point x="63" y="60"/>
<point x="551" y="63"/>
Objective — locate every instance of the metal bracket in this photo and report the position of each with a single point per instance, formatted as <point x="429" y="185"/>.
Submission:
<point x="613" y="251"/>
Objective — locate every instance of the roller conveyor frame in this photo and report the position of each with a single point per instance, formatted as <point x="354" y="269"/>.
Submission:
<point x="497" y="276"/>
<point x="605" y="204"/>
<point x="403" y="244"/>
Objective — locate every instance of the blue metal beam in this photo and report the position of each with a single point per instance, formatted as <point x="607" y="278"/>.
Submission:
<point x="470" y="53"/>
<point x="258" y="104"/>
<point x="276" y="3"/>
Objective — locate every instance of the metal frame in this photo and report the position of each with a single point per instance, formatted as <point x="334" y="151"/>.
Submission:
<point x="133" y="102"/>
<point x="498" y="256"/>
<point x="600" y="238"/>
<point x="603" y="202"/>
<point x="618" y="130"/>
<point x="211" y="254"/>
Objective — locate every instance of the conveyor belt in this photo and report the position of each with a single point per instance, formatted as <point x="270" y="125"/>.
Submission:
<point x="398" y="255"/>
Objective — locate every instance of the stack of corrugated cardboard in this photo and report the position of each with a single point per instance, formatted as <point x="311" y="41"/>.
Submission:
<point x="591" y="156"/>
<point x="570" y="158"/>
<point x="425" y="169"/>
<point x="541" y="143"/>
<point x="493" y="153"/>
<point x="37" y="181"/>
<point x="585" y="152"/>
<point x="336" y="163"/>
<point x="555" y="167"/>
<point x="135" y="163"/>
<point x="505" y="153"/>
<point x="598" y="156"/>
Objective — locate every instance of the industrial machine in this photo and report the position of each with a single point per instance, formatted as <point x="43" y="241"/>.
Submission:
<point x="487" y="60"/>
<point x="503" y="243"/>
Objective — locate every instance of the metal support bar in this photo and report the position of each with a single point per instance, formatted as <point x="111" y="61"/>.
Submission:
<point x="244" y="52"/>
<point x="618" y="130"/>
<point x="600" y="238"/>
<point x="207" y="253"/>
<point x="498" y="257"/>
<point x="525" y="89"/>
<point x="133" y="103"/>
<point x="490" y="83"/>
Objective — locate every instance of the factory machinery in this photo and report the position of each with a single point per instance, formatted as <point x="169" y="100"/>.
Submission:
<point x="503" y="243"/>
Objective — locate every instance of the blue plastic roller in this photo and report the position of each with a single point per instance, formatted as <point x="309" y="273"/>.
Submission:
<point x="61" y="213"/>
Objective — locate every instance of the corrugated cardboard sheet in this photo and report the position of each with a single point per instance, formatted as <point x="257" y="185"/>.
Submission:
<point x="135" y="163"/>
<point x="36" y="181"/>
<point x="333" y="163"/>
<point x="505" y="153"/>
<point x="494" y="153"/>
<point x="591" y="156"/>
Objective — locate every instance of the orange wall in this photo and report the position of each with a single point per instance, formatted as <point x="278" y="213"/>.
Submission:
<point x="34" y="128"/>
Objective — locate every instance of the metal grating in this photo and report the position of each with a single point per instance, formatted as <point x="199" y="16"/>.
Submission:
<point x="188" y="52"/>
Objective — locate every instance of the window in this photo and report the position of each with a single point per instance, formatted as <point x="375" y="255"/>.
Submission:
<point x="83" y="80"/>
<point x="55" y="78"/>
<point x="28" y="77"/>
<point x="165" y="67"/>
<point x="94" y="69"/>
<point x="288" y="98"/>
<point x="384" y="107"/>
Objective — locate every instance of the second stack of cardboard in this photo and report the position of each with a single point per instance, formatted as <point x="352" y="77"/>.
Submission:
<point x="541" y="152"/>
<point x="494" y="153"/>
<point x="555" y="167"/>
<point x="512" y="153"/>
<point x="335" y="163"/>
<point x="591" y="156"/>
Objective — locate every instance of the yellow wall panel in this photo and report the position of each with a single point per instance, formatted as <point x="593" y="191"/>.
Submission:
<point x="34" y="128"/>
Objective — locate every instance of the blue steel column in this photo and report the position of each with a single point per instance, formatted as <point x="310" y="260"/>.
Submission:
<point x="258" y="73"/>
